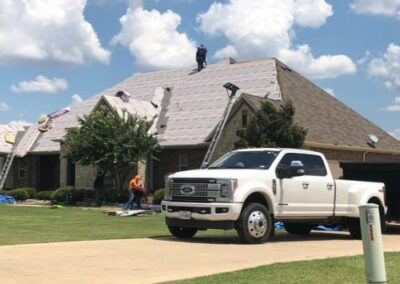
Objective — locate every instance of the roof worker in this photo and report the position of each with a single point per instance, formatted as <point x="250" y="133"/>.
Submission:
<point x="136" y="192"/>
<point x="201" y="56"/>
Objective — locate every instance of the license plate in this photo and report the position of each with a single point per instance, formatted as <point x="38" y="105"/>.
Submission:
<point x="185" y="215"/>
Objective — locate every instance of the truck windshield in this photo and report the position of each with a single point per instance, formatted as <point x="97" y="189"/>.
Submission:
<point x="245" y="160"/>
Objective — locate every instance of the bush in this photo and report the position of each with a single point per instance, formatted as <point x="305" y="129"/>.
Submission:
<point x="63" y="194"/>
<point x="30" y="190"/>
<point x="158" y="196"/>
<point x="117" y="197"/>
<point x="83" y="194"/>
<point x="18" y="194"/>
<point x="44" y="195"/>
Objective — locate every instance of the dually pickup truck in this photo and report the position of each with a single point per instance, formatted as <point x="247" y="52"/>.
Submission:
<point x="251" y="189"/>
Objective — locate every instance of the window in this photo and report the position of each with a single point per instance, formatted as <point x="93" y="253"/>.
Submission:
<point x="21" y="169"/>
<point x="313" y="164"/>
<point x="244" y="118"/>
<point x="246" y="160"/>
<point x="183" y="162"/>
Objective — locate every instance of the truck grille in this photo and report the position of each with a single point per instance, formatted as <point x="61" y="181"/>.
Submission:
<point x="204" y="190"/>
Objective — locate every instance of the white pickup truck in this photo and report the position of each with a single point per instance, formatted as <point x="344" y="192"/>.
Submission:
<point x="250" y="189"/>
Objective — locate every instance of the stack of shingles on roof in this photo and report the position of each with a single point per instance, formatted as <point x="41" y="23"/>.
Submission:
<point x="12" y="129"/>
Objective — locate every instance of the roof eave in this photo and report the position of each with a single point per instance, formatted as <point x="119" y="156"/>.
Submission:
<point x="349" y="148"/>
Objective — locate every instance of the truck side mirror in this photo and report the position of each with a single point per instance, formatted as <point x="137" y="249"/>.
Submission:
<point x="297" y="169"/>
<point x="282" y="172"/>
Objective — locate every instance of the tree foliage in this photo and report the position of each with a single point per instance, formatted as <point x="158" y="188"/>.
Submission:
<point x="111" y="142"/>
<point x="271" y="127"/>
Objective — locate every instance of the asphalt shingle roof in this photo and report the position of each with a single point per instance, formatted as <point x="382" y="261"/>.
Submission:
<point x="327" y="119"/>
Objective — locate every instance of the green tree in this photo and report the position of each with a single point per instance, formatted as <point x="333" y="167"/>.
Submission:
<point x="271" y="127"/>
<point x="111" y="142"/>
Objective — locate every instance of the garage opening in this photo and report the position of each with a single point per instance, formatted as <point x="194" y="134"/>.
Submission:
<point x="388" y="173"/>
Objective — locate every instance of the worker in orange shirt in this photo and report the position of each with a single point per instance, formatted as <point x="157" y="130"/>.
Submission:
<point x="136" y="192"/>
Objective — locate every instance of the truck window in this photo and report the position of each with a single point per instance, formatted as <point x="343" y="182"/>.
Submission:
<point x="245" y="160"/>
<point x="313" y="164"/>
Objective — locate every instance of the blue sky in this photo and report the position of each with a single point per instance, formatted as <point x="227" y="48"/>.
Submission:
<point x="53" y="53"/>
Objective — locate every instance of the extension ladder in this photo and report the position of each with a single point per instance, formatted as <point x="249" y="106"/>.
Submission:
<point x="6" y="168"/>
<point x="218" y="131"/>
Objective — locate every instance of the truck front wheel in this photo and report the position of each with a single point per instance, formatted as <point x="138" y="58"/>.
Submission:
<point x="255" y="224"/>
<point x="181" y="232"/>
<point x="298" y="228"/>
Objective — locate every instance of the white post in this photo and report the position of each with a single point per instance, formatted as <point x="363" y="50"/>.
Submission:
<point x="372" y="243"/>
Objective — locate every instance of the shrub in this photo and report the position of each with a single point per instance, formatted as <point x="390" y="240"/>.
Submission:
<point x="30" y="190"/>
<point x="18" y="194"/>
<point x="158" y="196"/>
<point x="83" y="194"/>
<point x="63" y="194"/>
<point x="44" y="195"/>
<point x="117" y="197"/>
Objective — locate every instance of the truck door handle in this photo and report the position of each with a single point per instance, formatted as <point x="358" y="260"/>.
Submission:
<point x="329" y="186"/>
<point x="305" y="185"/>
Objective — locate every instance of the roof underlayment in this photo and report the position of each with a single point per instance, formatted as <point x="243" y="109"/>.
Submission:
<point x="196" y="103"/>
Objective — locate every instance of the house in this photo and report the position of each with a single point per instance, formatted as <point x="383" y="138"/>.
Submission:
<point x="187" y="105"/>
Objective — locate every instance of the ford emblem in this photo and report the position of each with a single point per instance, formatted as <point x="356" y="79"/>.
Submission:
<point x="187" y="189"/>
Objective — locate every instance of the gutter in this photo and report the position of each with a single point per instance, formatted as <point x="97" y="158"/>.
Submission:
<point x="350" y="148"/>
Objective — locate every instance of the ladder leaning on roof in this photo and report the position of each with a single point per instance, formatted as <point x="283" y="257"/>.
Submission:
<point x="221" y="124"/>
<point x="6" y="169"/>
<point x="20" y="150"/>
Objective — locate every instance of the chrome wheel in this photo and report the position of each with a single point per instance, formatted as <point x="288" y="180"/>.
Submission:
<point x="257" y="224"/>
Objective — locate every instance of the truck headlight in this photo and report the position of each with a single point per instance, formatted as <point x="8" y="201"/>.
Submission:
<point x="228" y="187"/>
<point x="167" y="194"/>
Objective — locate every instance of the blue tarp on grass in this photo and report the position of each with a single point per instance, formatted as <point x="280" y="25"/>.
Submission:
<point x="7" y="199"/>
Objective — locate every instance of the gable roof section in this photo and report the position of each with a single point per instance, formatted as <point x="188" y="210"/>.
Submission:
<point x="328" y="121"/>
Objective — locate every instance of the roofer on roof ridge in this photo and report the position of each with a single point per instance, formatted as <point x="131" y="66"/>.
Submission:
<point x="201" y="56"/>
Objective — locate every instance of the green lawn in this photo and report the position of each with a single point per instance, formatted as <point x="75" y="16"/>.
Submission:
<point x="25" y="225"/>
<point x="334" y="270"/>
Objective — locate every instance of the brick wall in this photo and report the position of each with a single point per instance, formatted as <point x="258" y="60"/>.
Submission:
<point x="168" y="162"/>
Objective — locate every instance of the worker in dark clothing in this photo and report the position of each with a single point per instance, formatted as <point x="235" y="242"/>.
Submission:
<point x="99" y="188"/>
<point x="201" y="57"/>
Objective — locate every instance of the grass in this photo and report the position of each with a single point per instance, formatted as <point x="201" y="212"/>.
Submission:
<point x="26" y="225"/>
<point x="334" y="270"/>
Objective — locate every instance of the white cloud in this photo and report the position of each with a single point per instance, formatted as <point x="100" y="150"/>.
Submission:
<point x="227" y="51"/>
<point x="387" y="67"/>
<point x="4" y="107"/>
<point x="395" y="133"/>
<point x="76" y="99"/>
<point x="330" y="91"/>
<point x="394" y="107"/>
<point x="41" y="84"/>
<point x="153" y="39"/>
<point x="266" y="28"/>
<point x="376" y="7"/>
<point x="325" y="66"/>
<point x="51" y="32"/>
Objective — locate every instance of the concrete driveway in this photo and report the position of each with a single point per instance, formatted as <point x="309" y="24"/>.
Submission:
<point x="165" y="259"/>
